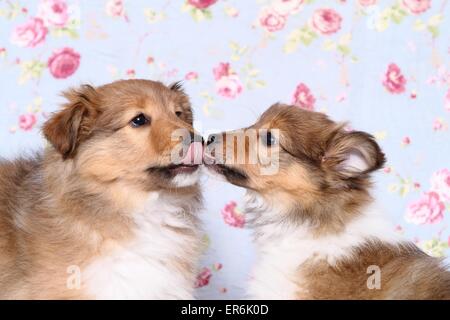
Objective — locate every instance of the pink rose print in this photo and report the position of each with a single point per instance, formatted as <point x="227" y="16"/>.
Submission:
<point x="271" y="20"/>
<point x="53" y="12"/>
<point x="203" y="278"/>
<point x="27" y="121"/>
<point x="303" y="98"/>
<point x="191" y="75"/>
<point x="366" y="3"/>
<point x="115" y="8"/>
<point x="326" y="21"/>
<point x="229" y="87"/>
<point x="447" y="101"/>
<point x="63" y="63"/>
<point x="406" y="140"/>
<point x="438" y="125"/>
<point x="440" y="183"/>
<point x="232" y="216"/>
<point x="394" y="81"/>
<point x="131" y="73"/>
<point x="30" y="34"/>
<point x="427" y="210"/>
<point x="222" y="70"/>
<point x="201" y="4"/>
<point x="228" y="84"/>
<point x="417" y="6"/>
<point x="287" y="7"/>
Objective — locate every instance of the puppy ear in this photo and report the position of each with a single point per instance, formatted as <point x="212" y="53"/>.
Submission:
<point x="177" y="86"/>
<point x="73" y="124"/>
<point x="352" y="154"/>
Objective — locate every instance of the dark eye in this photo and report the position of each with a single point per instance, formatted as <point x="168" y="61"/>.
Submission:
<point x="139" y="120"/>
<point x="269" y="139"/>
<point x="178" y="113"/>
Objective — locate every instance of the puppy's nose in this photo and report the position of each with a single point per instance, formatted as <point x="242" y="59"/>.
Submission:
<point x="211" y="139"/>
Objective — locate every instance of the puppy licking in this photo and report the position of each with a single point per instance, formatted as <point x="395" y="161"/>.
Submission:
<point x="109" y="209"/>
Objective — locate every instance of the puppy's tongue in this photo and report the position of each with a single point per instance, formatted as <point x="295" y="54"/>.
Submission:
<point x="194" y="154"/>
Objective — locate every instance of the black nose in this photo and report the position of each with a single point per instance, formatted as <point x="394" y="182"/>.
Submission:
<point x="211" y="139"/>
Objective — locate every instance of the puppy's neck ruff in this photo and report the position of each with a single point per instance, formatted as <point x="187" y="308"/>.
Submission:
<point x="158" y="262"/>
<point x="145" y="245"/>
<point x="284" y="243"/>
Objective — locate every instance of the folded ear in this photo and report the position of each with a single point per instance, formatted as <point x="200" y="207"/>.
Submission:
<point x="73" y="124"/>
<point x="351" y="154"/>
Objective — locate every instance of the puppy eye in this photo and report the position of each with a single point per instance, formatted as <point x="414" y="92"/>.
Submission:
<point x="178" y="113"/>
<point x="139" y="120"/>
<point x="269" y="139"/>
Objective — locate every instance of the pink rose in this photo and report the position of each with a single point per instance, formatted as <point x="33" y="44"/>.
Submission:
<point x="271" y="20"/>
<point x="447" y="101"/>
<point x="63" y="63"/>
<point x="326" y="21"/>
<point x="417" y="6"/>
<point x="27" y="121"/>
<point x="30" y="34"/>
<point x="440" y="183"/>
<point x="303" y="98"/>
<point x="203" y="278"/>
<point x="192" y="75"/>
<point x="366" y="3"/>
<point x="232" y="216"/>
<point x="222" y="70"/>
<point x="393" y="80"/>
<point x="229" y="86"/>
<point x="406" y="140"/>
<point x="438" y="124"/>
<point x="131" y="73"/>
<point x="287" y="7"/>
<point x="115" y="8"/>
<point x="201" y="4"/>
<point x="427" y="210"/>
<point x="53" y="12"/>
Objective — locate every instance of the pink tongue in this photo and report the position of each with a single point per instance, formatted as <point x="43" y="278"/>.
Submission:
<point x="194" y="154"/>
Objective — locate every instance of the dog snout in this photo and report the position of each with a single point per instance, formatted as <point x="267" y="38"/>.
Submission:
<point x="212" y="138"/>
<point x="213" y="148"/>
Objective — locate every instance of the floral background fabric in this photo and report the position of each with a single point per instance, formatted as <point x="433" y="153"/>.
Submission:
<point x="382" y="65"/>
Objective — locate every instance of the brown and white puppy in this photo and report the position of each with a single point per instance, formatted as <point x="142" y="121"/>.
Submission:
<point x="105" y="212"/>
<point x="317" y="230"/>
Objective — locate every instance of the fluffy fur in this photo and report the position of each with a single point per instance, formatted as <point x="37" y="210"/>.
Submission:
<point x="102" y="212"/>
<point x="317" y="230"/>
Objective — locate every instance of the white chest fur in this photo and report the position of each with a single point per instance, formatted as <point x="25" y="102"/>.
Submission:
<point x="282" y="251"/>
<point x="150" y="266"/>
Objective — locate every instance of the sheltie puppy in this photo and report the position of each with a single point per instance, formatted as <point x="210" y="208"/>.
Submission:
<point x="317" y="230"/>
<point x="104" y="212"/>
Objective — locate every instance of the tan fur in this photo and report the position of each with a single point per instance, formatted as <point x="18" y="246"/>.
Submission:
<point x="73" y="203"/>
<point x="314" y="187"/>
<point x="405" y="273"/>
